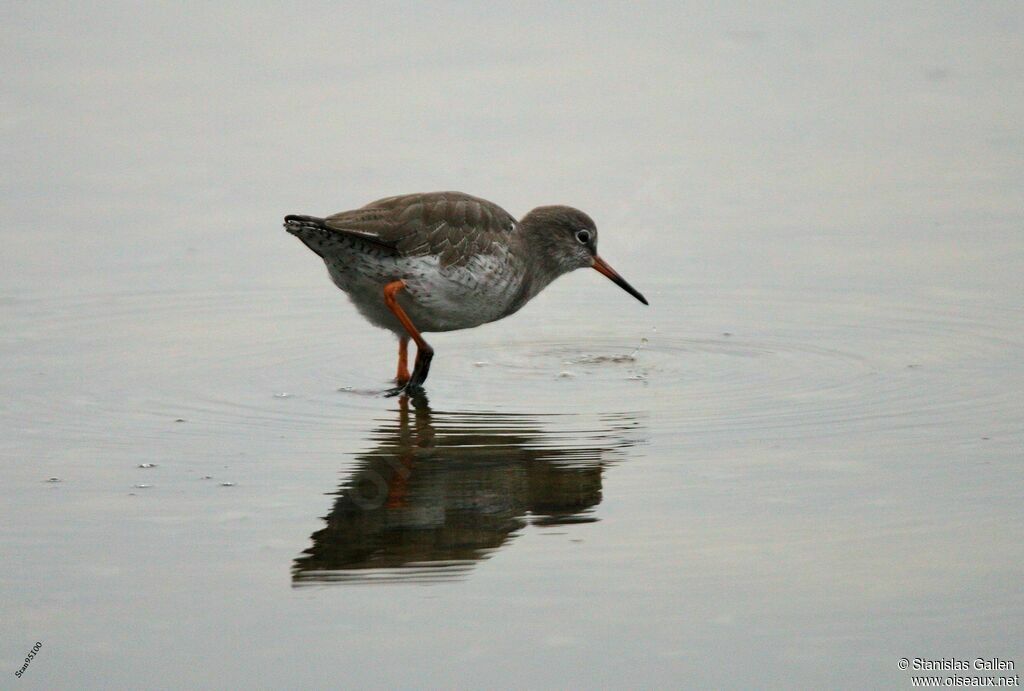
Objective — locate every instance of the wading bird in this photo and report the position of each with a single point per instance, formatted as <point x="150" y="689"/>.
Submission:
<point x="444" y="261"/>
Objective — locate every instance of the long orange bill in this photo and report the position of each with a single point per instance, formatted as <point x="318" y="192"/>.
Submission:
<point x="602" y="266"/>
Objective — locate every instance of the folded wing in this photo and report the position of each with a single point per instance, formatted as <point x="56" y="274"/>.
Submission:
<point x="451" y="225"/>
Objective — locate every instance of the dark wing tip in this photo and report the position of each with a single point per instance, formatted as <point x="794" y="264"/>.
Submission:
<point x="304" y="220"/>
<point x="296" y="223"/>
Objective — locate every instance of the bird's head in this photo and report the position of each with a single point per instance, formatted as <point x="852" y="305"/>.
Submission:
<point x="566" y="239"/>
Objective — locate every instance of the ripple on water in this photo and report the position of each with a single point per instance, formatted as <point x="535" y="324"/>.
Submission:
<point x="784" y="363"/>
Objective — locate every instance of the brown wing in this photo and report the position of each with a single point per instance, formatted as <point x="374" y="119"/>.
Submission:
<point x="451" y="225"/>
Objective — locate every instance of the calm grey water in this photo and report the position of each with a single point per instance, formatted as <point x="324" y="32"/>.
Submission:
<point x="801" y="463"/>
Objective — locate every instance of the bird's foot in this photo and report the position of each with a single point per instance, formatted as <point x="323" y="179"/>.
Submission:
<point x="408" y="389"/>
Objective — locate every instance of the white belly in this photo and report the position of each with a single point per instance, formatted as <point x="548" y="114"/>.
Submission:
<point x="436" y="298"/>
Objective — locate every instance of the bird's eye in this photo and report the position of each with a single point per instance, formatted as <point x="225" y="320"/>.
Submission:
<point x="583" y="236"/>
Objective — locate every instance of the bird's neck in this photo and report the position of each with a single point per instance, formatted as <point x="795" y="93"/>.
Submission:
<point x="541" y="265"/>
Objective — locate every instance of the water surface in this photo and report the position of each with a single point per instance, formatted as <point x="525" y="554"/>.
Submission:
<point x="799" y="464"/>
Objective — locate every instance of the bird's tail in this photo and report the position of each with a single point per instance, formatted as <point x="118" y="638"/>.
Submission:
<point x="311" y="230"/>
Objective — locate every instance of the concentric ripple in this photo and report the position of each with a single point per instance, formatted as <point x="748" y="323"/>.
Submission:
<point x="286" y="361"/>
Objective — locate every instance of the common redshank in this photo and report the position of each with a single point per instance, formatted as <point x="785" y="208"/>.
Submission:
<point x="443" y="261"/>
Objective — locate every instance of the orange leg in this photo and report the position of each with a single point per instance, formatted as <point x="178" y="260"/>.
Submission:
<point x="398" y="487"/>
<point x="402" y="378"/>
<point x="424" y="353"/>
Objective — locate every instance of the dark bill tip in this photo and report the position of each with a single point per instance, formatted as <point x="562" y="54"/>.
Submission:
<point x="601" y="266"/>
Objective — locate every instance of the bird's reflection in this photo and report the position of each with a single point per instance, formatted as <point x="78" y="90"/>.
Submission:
<point x="441" y="491"/>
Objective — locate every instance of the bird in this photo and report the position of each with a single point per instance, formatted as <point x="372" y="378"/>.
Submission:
<point x="444" y="261"/>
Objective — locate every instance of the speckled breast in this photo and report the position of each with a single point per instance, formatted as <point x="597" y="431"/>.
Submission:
<point x="438" y="297"/>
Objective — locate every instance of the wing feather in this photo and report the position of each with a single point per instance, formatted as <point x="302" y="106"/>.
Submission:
<point x="450" y="225"/>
